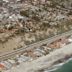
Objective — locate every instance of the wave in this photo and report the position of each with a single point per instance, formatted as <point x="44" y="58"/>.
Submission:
<point x="57" y="66"/>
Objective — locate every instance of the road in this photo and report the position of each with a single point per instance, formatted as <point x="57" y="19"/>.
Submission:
<point x="44" y="62"/>
<point x="37" y="44"/>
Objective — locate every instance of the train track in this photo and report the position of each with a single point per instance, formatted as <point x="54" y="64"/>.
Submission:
<point x="31" y="46"/>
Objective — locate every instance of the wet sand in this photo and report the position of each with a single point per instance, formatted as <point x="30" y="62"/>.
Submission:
<point x="45" y="61"/>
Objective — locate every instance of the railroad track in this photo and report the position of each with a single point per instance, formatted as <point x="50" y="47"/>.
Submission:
<point x="31" y="46"/>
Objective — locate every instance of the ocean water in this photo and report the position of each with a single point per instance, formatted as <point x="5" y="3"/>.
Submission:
<point x="67" y="67"/>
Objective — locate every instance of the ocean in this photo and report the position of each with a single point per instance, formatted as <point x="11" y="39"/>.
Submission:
<point x="67" y="67"/>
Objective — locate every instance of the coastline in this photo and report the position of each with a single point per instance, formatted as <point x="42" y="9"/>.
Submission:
<point x="58" y="66"/>
<point x="45" y="61"/>
<point x="65" y="68"/>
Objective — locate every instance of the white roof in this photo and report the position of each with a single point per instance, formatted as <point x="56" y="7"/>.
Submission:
<point x="6" y="0"/>
<point x="66" y="50"/>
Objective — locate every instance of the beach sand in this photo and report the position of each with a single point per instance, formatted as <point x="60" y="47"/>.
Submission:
<point x="45" y="61"/>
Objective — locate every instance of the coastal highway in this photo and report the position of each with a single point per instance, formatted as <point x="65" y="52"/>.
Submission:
<point x="46" y="62"/>
<point x="37" y="44"/>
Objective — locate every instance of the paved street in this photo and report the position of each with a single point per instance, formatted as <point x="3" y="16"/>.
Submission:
<point x="37" y="44"/>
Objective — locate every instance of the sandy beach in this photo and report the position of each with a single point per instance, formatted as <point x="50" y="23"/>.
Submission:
<point x="45" y="61"/>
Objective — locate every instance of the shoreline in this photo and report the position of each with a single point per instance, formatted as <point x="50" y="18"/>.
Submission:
<point x="58" y="66"/>
<point x="45" y="61"/>
<point x="63" y="66"/>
